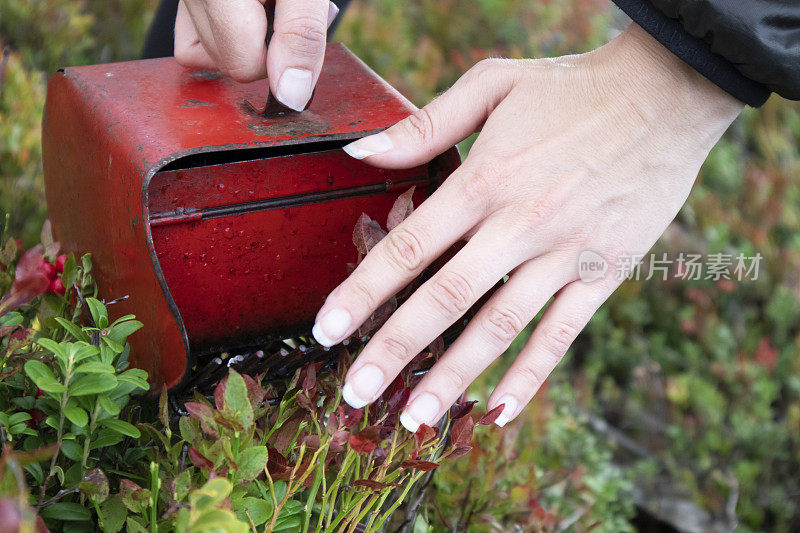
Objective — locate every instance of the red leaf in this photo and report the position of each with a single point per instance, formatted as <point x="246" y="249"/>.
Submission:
<point x="354" y="418"/>
<point x="437" y="347"/>
<point x="460" y="410"/>
<point x="219" y="393"/>
<point x="30" y="280"/>
<point x="310" y="380"/>
<point x="378" y="318"/>
<point x="200" y="460"/>
<point x="338" y="440"/>
<point x="461" y="432"/>
<point x="367" y="234"/>
<point x="424" y="435"/>
<point x="5" y="330"/>
<point x="402" y="208"/>
<point x="205" y="414"/>
<point x="398" y="400"/>
<point x="332" y="424"/>
<point x="766" y="355"/>
<point x="255" y="392"/>
<point x="365" y="440"/>
<point x="489" y="418"/>
<point x="459" y="452"/>
<point x="397" y="384"/>
<point x="277" y="465"/>
<point x="427" y="466"/>
<point x="374" y="485"/>
<point x="305" y="402"/>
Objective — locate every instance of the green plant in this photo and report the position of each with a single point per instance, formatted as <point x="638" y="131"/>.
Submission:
<point x="64" y="380"/>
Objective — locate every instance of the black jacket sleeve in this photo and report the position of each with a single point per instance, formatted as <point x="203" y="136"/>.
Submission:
<point x="749" y="48"/>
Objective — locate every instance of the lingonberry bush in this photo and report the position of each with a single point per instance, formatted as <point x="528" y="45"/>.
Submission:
<point x="80" y="452"/>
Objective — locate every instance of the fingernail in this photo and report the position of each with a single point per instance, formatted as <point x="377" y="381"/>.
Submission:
<point x="367" y="146"/>
<point x="508" y="411"/>
<point x="362" y="386"/>
<point x="331" y="327"/>
<point x="422" y="410"/>
<point x="294" y="88"/>
<point x="333" y="10"/>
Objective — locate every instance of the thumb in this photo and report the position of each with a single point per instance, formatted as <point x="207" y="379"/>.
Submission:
<point x="447" y="120"/>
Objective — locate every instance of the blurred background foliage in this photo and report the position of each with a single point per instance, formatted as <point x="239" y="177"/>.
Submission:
<point x="681" y="396"/>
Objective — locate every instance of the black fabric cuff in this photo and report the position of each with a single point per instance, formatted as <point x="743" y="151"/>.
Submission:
<point x="694" y="52"/>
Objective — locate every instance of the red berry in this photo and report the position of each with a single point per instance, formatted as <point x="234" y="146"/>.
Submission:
<point x="57" y="287"/>
<point x="48" y="270"/>
<point x="60" y="260"/>
<point x="39" y="392"/>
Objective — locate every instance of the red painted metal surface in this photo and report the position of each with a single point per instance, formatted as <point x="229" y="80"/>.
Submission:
<point x="226" y="227"/>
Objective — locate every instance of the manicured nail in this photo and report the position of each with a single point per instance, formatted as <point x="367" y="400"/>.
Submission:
<point x="331" y="327"/>
<point x="422" y="410"/>
<point x="367" y="146"/>
<point x="362" y="386"/>
<point x="294" y="88"/>
<point x="333" y="10"/>
<point x="508" y="411"/>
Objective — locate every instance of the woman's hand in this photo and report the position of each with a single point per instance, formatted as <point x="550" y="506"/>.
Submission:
<point x="230" y="36"/>
<point x="594" y="152"/>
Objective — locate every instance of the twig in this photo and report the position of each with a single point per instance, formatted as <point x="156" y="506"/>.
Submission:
<point x="60" y="494"/>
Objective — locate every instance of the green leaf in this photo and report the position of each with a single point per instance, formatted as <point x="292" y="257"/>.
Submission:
<point x="120" y="426"/>
<point x="109" y="405"/>
<point x="121" y="331"/>
<point x="66" y="511"/>
<point x="291" y="522"/>
<point x="133" y="496"/>
<point x="209" y="495"/>
<point x="105" y="438"/>
<point x="182" y="484"/>
<point x="107" y="355"/>
<point x="57" y="349"/>
<point x="86" y="263"/>
<point x="76" y="415"/>
<point x="95" y="485"/>
<point x="16" y="418"/>
<point x="113" y="513"/>
<point x="95" y="367"/>
<point x="134" y="526"/>
<point x="115" y="346"/>
<point x="43" y="377"/>
<point x="51" y="421"/>
<point x="92" y="384"/>
<point x="237" y="400"/>
<point x="189" y="428"/>
<point x="82" y="350"/>
<point x="69" y="275"/>
<point x="252" y="463"/>
<point x="72" y="450"/>
<point x="259" y="509"/>
<point x="135" y="376"/>
<point x="99" y="312"/>
<point x="73" y="329"/>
